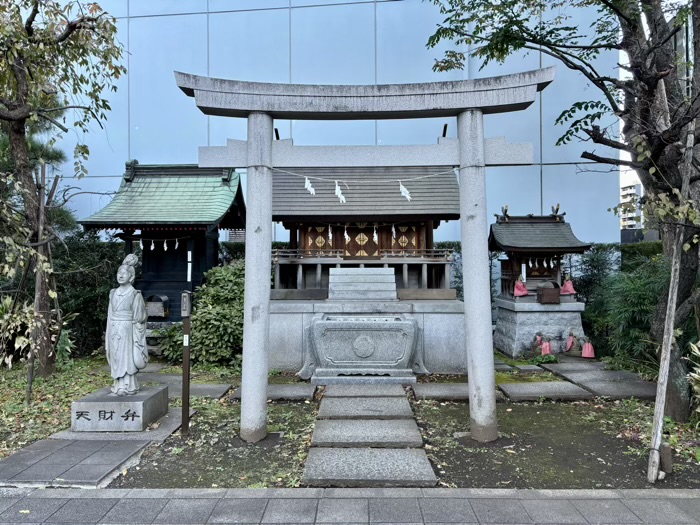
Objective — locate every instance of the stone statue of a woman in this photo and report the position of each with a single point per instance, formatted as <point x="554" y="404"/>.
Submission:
<point x="125" y="340"/>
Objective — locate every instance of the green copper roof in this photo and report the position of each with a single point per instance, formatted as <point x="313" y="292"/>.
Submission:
<point x="161" y="195"/>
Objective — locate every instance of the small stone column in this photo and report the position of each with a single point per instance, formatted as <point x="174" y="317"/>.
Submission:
<point x="256" y="310"/>
<point x="477" y="278"/>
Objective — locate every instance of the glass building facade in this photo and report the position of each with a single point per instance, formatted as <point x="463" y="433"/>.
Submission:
<point x="328" y="42"/>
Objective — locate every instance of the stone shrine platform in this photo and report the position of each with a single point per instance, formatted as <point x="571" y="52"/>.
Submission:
<point x="103" y="411"/>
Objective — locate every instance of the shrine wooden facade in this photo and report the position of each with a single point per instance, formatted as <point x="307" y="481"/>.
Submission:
<point x="172" y="214"/>
<point x="375" y="226"/>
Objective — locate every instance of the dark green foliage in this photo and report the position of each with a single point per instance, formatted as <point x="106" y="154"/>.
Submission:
<point x="635" y="253"/>
<point x="631" y="299"/>
<point x="541" y="359"/>
<point x="232" y="251"/>
<point x="449" y="245"/>
<point x="217" y="319"/>
<point x="86" y="269"/>
<point x="593" y="267"/>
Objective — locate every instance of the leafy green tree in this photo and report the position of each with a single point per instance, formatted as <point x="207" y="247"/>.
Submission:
<point x="58" y="61"/>
<point x="658" y="102"/>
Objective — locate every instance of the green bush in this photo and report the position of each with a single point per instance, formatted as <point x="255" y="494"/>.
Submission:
<point x="634" y="254"/>
<point x="216" y="322"/>
<point x="233" y="251"/>
<point x="632" y="298"/>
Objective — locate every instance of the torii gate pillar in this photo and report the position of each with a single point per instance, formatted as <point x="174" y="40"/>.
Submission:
<point x="476" y="275"/>
<point x="258" y="259"/>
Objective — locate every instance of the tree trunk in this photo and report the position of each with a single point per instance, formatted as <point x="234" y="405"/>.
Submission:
<point x="40" y="333"/>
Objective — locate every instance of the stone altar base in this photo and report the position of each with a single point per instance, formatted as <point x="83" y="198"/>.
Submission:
<point x="102" y="411"/>
<point x="518" y="322"/>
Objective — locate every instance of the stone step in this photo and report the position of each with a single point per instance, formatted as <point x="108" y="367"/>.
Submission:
<point x="361" y="271"/>
<point x="362" y="380"/>
<point x="368" y="467"/>
<point x="364" y="391"/>
<point x="363" y="279"/>
<point x="401" y="433"/>
<point x="365" y="408"/>
<point x="359" y="295"/>
<point x="354" y="286"/>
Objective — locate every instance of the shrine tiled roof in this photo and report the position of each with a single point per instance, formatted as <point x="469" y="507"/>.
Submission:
<point x="370" y="193"/>
<point x="173" y="195"/>
<point x="535" y="234"/>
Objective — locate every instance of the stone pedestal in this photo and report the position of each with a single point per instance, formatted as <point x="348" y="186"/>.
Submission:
<point x="102" y="411"/>
<point x="518" y="322"/>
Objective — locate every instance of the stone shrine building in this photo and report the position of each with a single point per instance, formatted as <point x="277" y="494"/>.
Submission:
<point x="534" y="247"/>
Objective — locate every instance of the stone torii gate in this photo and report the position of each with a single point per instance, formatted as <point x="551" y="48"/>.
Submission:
<point x="468" y="100"/>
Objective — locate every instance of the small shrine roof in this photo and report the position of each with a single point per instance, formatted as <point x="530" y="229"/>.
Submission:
<point x="534" y="233"/>
<point x="177" y="195"/>
<point x="370" y="193"/>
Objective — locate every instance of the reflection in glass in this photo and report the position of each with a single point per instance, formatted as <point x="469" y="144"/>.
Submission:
<point x="166" y="126"/>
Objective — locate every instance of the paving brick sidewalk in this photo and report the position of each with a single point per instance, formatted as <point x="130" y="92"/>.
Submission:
<point x="350" y="506"/>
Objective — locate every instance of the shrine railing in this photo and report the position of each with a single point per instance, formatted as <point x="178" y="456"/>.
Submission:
<point x="287" y="255"/>
<point x="309" y="268"/>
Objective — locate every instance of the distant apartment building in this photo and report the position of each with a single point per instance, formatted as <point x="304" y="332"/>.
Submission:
<point x="631" y="219"/>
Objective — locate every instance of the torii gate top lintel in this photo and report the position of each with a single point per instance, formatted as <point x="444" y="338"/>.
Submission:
<point x="236" y="98"/>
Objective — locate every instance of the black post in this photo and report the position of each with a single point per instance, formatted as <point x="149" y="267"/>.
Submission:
<point x="185" y="309"/>
<point x="186" y="377"/>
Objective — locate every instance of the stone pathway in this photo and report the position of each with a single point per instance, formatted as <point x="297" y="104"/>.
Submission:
<point x="349" y="506"/>
<point x="583" y="379"/>
<point x="366" y="436"/>
<point x="70" y="463"/>
<point x="615" y="384"/>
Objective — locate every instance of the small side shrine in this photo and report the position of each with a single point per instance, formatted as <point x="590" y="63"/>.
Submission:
<point x="173" y="213"/>
<point x="536" y="296"/>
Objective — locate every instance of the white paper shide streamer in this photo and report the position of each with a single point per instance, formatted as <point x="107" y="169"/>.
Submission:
<point x="153" y="245"/>
<point x="308" y="187"/>
<point x="176" y="244"/>
<point x="347" y="237"/>
<point x="165" y="246"/>
<point x="404" y="191"/>
<point x="339" y="193"/>
<point x="393" y="232"/>
<point x="375" y="237"/>
<point x="330" y="234"/>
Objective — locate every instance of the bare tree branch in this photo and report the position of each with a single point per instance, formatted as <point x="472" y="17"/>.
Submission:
<point x="53" y="121"/>
<point x="29" y="23"/>
<point x="609" y="160"/>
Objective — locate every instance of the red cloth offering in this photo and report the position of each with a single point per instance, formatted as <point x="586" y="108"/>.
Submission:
<point x="569" y="342"/>
<point x="520" y="289"/>
<point x="588" y="350"/>
<point x="546" y="348"/>
<point x="567" y="288"/>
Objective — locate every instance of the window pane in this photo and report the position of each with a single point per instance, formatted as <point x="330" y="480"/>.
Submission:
<point x="403" y="29"/>
<point x="333" y="45"/>
<point x="251" y="45"/>
<point x="414" y="131"/>
<point x="240" y="5"/>
<point x="166" y="125"/>
<point x="166" y="7"/>
<point x="585" y="196"/>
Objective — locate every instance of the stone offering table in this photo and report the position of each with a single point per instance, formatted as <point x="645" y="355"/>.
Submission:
<point x="102" y="411"/>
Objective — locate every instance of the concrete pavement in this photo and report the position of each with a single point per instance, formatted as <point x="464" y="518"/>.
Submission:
<point x="349" y="506"/>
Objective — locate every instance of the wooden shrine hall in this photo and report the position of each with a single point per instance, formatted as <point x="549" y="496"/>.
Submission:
<point x="384" y="217"/>
<point x="172" y="213"/>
